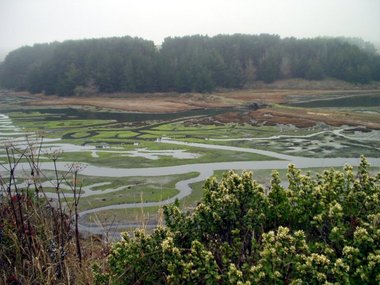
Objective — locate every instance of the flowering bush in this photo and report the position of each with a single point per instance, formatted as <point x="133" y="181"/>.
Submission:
<point x="320" y="230"/>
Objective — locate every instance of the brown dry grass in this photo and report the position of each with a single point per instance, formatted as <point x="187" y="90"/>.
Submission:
<point x="171" y="102"/>
<point x="174" y="102"/>
<point x="301" y="118"/>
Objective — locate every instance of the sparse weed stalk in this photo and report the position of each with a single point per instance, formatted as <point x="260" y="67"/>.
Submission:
<point x="39" y="236"/>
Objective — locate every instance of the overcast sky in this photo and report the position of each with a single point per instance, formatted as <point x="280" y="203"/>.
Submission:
<point x="25" y="22"/>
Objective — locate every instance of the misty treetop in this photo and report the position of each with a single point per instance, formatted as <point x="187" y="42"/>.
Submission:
<point x="184" y="64"/>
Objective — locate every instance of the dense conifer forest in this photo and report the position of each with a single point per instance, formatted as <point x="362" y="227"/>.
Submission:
<point x="184" y="64"/>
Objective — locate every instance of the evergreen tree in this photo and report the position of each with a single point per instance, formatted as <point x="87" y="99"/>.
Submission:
<point x="184" y="64"/>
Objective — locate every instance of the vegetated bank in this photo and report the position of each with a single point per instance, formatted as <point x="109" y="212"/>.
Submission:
<point x="319" y="229"/>
<point x="184" y="64"/>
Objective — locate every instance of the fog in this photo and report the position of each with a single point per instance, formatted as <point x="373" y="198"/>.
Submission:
<point x="25" y="22"/>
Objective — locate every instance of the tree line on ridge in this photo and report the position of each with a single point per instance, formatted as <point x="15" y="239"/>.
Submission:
<point x="184" y="64"/>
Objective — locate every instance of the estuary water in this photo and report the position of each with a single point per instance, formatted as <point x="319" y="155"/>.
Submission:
<point x="205" y="170"/>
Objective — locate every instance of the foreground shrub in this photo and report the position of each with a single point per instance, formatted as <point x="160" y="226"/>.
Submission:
<point x="318" y="230"/>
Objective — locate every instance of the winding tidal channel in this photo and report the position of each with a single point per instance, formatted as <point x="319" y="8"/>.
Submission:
<point x="205" y="170"/>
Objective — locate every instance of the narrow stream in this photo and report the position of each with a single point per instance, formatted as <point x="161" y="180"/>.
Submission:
<point x="205" y="170"/>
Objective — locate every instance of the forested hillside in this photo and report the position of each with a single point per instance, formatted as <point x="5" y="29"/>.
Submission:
<point x="191" y="63"/>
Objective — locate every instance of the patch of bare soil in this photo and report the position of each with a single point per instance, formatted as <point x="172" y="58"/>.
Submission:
<point x="148" y="105"/>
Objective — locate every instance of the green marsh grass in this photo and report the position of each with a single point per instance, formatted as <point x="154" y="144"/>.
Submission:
<point x="139" y="189"/>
